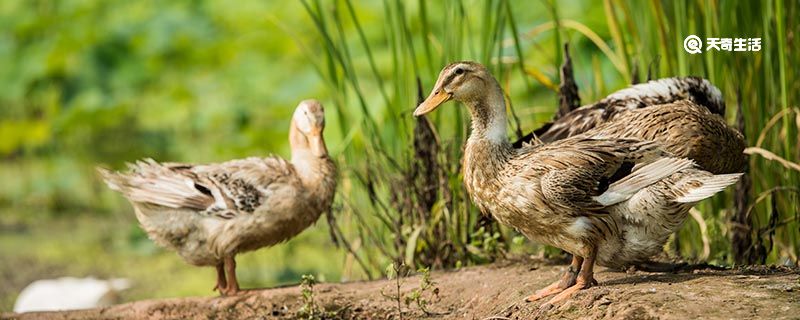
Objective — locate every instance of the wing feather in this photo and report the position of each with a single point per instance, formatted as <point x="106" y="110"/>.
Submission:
<point x="151" y="182"/>
<point x="578" y="170"/>
<point x="225" y="189"/>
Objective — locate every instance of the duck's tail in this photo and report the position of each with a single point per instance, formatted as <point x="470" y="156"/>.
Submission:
<point x="708" y="186"/>
<point x="641" y="178"/>
<point x="153" y="183"/>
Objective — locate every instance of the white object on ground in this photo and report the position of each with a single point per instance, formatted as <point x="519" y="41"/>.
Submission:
<point x="69" y="293"/>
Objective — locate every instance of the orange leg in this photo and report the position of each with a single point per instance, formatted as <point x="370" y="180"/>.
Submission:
<point x="585" y="280"/>
<point x="230" y="270"/>
<point x="567" y="280"/>
<point x="222" y="284"/>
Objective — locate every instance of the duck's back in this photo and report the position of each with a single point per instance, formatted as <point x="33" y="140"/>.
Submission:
<point x="684" y="129"/>
<point x="641" y="96"/>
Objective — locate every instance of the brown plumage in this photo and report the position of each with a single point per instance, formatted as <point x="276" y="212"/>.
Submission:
<point x="644" y="95"/>
<point x="682" y="114"/>
<point x="602" y="196"/>
<point x="209" y="213"/>
<point x="684" y="129"/>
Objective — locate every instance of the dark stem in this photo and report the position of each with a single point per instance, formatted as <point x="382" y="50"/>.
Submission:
<point x="568" y="98"/>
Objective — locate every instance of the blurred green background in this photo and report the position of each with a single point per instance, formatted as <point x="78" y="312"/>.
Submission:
<point x="86" y="83"/>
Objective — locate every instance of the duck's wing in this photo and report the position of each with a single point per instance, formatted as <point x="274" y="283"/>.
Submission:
<point x="586" y="175"/>
<point x="655" y="92"/>
<point x="224" y="190"/>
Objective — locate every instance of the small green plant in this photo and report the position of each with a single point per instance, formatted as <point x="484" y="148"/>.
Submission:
<point x="309" y="309"/>
<point x="396" y="271"/>
<point x="422" y="296"/>
<point x="425" y="294"/>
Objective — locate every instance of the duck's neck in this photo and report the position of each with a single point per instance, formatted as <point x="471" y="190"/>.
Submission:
<point x="316" y="171"/>
<point x="489" y="121"/>
<point x="487" y="150"/>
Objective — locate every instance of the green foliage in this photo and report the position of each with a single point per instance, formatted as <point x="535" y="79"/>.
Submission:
<point x="93" y="82"/>
<point x="485" y="244"/>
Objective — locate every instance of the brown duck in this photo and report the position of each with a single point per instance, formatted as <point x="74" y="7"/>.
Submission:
<point x="209" y="213"/>
<point x="604" y="197"/>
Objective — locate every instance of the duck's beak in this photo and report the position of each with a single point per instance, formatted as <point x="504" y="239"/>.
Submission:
<point x="432" y="102"/>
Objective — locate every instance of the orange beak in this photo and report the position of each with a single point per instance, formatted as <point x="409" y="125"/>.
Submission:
<point x="432" y="102"/>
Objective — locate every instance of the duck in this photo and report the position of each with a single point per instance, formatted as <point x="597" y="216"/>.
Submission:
<point x="606" y="198"/>
<point x="654" y="92"/>
<point x="209" y="213"/>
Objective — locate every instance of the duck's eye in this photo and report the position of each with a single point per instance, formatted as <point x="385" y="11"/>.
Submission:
<point x="459" y="71"/>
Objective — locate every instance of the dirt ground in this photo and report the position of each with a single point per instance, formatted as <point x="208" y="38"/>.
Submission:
<point x="496" y="292"/>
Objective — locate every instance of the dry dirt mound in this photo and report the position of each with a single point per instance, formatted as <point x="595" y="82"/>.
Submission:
<point x="497" y="292"/>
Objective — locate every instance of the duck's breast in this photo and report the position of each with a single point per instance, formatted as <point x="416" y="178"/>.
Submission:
<point x="287" y="211"/>
<point x="520" y="204"/>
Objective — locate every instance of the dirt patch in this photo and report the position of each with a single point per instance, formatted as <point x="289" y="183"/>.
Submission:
<point x="497" y="292"/>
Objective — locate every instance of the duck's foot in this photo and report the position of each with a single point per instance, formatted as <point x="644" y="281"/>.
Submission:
<point x="585" y="280"/>
<point x="221" y="282"/>
<point x="571" y="291"/>
<point x="567" y="280"/>
<point x="232" y="287"/>
<point x="552" y="289"/>
<point x="229" y="292"/>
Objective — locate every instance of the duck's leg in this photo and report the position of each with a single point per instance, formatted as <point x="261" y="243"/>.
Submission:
<point x="585" y="279"/>
<point x="567" y="280"/>
<point x="222" y="284"/>
<point x="230" y="269"/>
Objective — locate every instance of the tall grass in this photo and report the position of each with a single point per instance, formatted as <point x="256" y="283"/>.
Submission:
<point x="402" y="196"/>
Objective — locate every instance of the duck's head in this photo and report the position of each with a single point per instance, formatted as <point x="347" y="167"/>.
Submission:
<point x="309" y="121"/>
<point x="464" y="81"/>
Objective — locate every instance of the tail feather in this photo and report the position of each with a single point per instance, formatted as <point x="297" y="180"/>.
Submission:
<point x="641" y="178"/>
<point x="150" y="182"/>
<point x="711" y="185"/>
